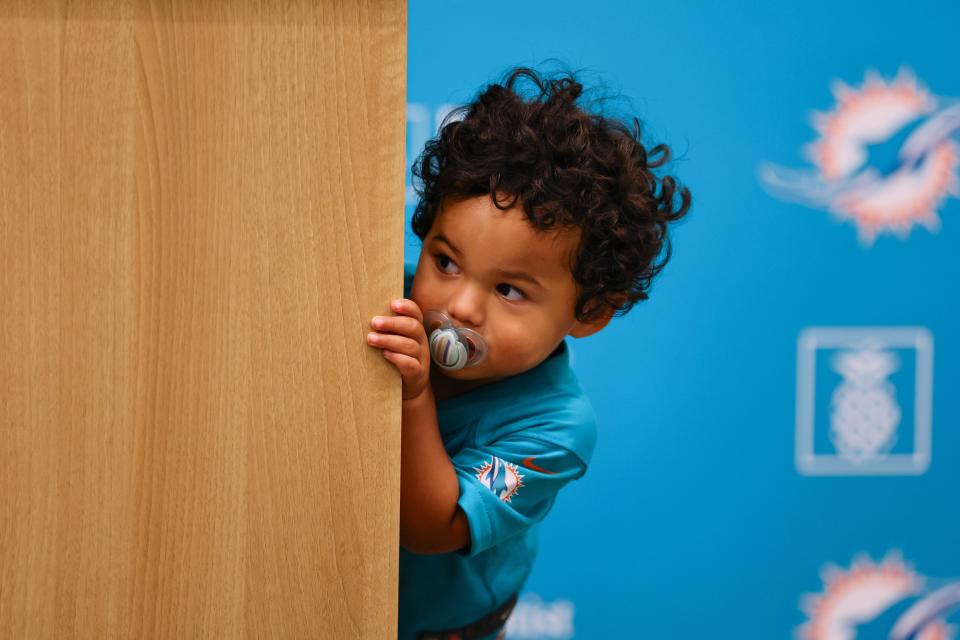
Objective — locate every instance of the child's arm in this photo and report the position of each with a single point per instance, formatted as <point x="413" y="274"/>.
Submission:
<point x="430" y="520"/>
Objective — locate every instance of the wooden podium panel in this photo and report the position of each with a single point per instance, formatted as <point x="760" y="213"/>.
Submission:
<point x="201" y="207"/>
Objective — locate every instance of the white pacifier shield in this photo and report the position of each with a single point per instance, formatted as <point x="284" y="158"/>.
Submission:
<point x="447" y="350"/>
<point x="452" y="348"/>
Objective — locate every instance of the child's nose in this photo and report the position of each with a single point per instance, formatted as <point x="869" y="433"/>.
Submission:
<point x="465" y="307"/>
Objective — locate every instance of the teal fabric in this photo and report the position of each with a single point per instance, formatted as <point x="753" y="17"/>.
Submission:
<point x="514" y="444"/>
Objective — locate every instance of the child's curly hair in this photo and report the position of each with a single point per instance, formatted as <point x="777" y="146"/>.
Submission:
<point x="568" y="169"/>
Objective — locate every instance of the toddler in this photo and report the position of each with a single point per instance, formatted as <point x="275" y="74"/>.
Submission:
<point x="539" y="220"/>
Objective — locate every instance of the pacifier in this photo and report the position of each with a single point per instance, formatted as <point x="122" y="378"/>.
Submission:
<point x="452" y="348"/>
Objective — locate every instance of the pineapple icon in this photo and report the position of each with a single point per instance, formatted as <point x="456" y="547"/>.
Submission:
<point x="864" y="414"/>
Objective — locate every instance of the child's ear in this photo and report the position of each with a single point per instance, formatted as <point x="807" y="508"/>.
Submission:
<point x="584" y="329"/>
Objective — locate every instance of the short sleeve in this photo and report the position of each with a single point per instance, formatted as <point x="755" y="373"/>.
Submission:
<point x="510" y="484"/>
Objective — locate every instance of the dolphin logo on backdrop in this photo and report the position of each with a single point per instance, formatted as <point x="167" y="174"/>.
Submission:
<point x="886" y="157"/>
<point x="888" y="601"/>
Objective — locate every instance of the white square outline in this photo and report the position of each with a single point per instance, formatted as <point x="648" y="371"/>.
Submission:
<point x="812" y="338"/>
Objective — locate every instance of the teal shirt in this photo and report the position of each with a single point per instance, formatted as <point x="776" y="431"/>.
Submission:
<point x="514" y="444"/>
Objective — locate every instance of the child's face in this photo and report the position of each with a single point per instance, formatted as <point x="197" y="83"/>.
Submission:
<point x="462" y="273"/>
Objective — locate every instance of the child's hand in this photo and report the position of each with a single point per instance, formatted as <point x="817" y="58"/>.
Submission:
<point x="404" y="343"/>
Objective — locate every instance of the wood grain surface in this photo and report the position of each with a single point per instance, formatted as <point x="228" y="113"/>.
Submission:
<point x="201" y="207"/>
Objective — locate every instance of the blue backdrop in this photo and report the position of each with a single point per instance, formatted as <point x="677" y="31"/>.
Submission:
<point x="779" y="451"/>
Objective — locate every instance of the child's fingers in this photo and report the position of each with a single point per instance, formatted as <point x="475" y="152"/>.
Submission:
<point x="408" y="308"/>
<point x="403" y="325"/>
<point x="406" y="365"/>
<point x="398" y="344"/>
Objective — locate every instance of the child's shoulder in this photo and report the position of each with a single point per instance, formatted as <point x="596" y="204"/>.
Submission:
<point x="546" y="404"/>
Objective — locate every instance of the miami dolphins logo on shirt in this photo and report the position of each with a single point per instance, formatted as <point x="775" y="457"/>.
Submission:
<point x="503" y="478"/>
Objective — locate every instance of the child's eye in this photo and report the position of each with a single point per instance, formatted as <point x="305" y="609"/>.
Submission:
<point x="444" y="261"/>
<point x="441" y="258"/>
<point x="507" y="286"/>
